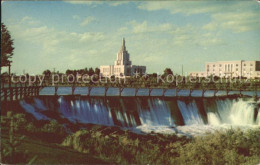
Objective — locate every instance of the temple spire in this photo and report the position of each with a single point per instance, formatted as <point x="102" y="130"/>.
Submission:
<point x="123" y="45"/>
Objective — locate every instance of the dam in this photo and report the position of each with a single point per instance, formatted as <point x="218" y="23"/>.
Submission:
<point x="148" y="114"/>
<point x="145" y="110"/>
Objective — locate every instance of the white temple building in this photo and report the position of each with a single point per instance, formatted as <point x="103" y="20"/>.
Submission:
<point x="123" y="66"/>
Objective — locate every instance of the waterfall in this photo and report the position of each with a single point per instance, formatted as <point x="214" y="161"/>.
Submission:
<point x="190" y="113"/>
<point x="85" y="111"/>
<point x="156" y="114"/>
<point x="213" y="119"/>
<point x="234" y="112"/>
<point x="39" y="104"/>
<point x="32" y="109"/>
<point x="147" y="111"/>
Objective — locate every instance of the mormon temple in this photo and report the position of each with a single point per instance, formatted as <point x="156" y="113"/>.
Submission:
<point x="123" y="66"/>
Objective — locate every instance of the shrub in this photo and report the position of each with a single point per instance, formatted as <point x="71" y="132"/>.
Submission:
<point x="53" y="127"/>
<point x="225" y="147"/>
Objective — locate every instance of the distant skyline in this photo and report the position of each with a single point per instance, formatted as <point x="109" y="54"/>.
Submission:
<point x="78" y="34"/>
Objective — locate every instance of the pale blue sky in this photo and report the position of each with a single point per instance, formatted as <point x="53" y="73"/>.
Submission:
<point x="74" y="35"/>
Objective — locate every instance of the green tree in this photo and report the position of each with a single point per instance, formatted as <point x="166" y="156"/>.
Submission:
<point x="91" y="71"/>
<point x="47" y="73"/>
<point x="97" y="71"/>
<point x="86" y="70"/>
<point x="6" y="46"/>
<point x="167" y="71"/>
<point x="68" y="72"/>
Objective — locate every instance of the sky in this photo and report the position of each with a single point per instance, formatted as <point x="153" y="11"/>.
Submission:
<point x="78" y="34"/>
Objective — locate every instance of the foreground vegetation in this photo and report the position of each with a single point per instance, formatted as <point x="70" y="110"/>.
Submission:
<point x="51" y="142"/>
<point x="228" y="147"/>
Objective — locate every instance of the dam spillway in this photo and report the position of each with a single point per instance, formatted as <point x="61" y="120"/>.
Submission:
<point x="147" y="112"/>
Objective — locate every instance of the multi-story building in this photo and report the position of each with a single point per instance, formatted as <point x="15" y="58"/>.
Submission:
<point x="248" y="69"/>
<point x="122" y="66"/>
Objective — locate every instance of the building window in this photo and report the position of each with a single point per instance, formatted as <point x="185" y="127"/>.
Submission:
<point x="251" y="64"/>
<point x="244" y="64"/>
<point x="236" y="64"/>
<point x="213" y="65"/>
<point x="220" y="65"/>
<point x="236" y="69"/>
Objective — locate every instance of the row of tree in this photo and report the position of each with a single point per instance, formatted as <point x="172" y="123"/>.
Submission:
<point x="86" y="71"/>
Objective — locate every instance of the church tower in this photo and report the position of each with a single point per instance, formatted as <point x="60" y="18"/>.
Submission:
<point x="123" y="57"/>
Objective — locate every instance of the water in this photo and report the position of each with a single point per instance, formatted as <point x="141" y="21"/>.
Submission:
<point x="192" y="116"/>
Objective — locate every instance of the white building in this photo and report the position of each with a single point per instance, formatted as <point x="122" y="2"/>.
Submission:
<point x="248" y="69"/>
<point x="122" y="66"/>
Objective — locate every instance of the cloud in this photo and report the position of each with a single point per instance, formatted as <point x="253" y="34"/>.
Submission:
<point x="143" y="27"/>
<point x="76" y="17"/>
<point x="87" y="20"/>
<point x="96" y="3"/>
<point x="211" y="26"/>
<point x="75" y="2"/>
<point x="195" y="7"/>
<point x="235" y="16"/>
<point x="176" y="35"/>
<point x="178" y="7"/>
<point x="30" y="21"/>
<point x="114" y="3"/>
<point x="235" y="21"/>
<point x="53" y="47"/>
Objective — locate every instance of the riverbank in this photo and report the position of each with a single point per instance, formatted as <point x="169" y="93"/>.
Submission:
<point x="123" y="147"/>
<point x="53" y="143"/>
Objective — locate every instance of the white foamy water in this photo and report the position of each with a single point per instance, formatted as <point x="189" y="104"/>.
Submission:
<point x="145" y="115"/>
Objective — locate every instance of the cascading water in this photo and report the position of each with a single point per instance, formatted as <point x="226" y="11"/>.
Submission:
<point x="34" y="109"/>
<point x="150" y="113"/>
<point x="234" y="112"/>
<point x="190" y="113"/>
<point x="85" y="111"/>
<point x="157" y="113"/>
